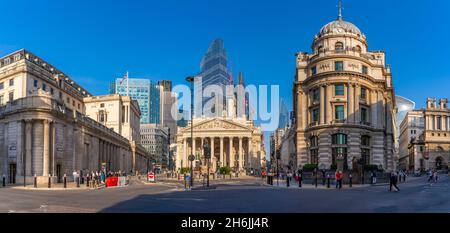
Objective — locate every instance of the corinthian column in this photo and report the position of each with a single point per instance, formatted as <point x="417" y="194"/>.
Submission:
<point x="46" y="159"/>
<point x="240" y="153"/>
<point x="230" y="154"/>
<point x="249" y="156"/>
<point x="221" y="152"/>
<point x="28" y="136"/>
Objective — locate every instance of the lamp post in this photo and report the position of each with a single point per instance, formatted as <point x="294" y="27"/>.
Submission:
<point x="207" y="155"/>
<point x="191" y="79"/>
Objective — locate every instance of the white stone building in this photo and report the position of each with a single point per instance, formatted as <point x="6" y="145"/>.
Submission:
<point x="154" y="139"/>
<point x="44" y="130"/>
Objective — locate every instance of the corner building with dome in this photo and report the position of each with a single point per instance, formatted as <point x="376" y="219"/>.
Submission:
<point x="344" y="102"/>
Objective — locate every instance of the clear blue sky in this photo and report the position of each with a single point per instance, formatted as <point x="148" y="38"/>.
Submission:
<point x="95" y="41"/>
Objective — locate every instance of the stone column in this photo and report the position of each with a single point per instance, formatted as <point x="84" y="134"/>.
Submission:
<point x="350" y="104"/>
<point x="28" y="146"/>
<point x="240" y="154"/>
<point x="213" y="158"/>
<point x="193" y="145"/>
<point x="356" y="104"/>
<point x="20" y="149"/>
<point x="374" y="108"/>
<point x="222" y="161"/>
<point x="4" y="151"/>
<point x="322" y="105"/>
<point x="329" y="115"/>
<point x="230" y="154"/>
<point x="46" y="158"/>
<point x="184" y="153"/>
<point x="249" y="159"/>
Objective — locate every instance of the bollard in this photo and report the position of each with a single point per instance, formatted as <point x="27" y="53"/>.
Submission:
<point x="35" y="181"/>
<point x="65" y="181"/>
<point x="300" y="181"/>
<point x="4" y="180"/>
<point x="328" y="181"/>
<point x="49" y="181"/>
<point x="78" y="182"/>
<point x="350" y="177"/>
<point x="287" y="181"/>
<point x="87" y="181"/>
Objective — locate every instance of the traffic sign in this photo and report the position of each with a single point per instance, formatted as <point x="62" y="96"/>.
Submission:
<point x="191" y="157"/>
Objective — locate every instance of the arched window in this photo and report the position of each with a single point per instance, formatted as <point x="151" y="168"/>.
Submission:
<point x="339" y="149"/>
<point x="365" y="149"/>
<point x="314" y="149"/>
<point x="339" y="47"/>
<point x="358" y="48"/>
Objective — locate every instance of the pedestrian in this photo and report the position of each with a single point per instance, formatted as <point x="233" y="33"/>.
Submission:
<point x="435" y="176"/>
<point x="430" y="175"/>
<point x="393" y="181"/>
<point x="74" y="174"/>
<point x="404" y="176"/>
<point x="341" y="177"/>
<point x="338" y="177"/>
<point x="374" y="177"/>
<point x="323" y="177"/>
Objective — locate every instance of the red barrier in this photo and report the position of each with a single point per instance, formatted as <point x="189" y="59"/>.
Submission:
<point x="112" y="181"/>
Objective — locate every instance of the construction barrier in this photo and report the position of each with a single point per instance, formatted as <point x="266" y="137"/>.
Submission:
<point x="112" y="181"/>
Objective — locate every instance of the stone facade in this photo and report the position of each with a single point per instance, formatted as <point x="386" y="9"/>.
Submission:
<point x="411" y="132"/>
<point x="344" y="101"/>
<point x="234" y="142"/>
<point x="43" y="127"/>
<point x="154" y="139"/>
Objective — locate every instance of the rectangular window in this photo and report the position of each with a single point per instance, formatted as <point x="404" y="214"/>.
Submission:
<point x="365" y="70"/>
<point x="11" y="96"/>
<point x="316" y="115"/>
<point x="68" y="100"/>
<point x="60" y="95"/>
<point x="339" y="89"/>
<point x="52" y="91"/>
<point x="364" y="115"/>
<point x="1" y="86"/>
<point x="11" y="82"/>
<point x="313" y="70"/>
<point x="339" y="112"/>
<point x="363" y="93"/>
<point x="44" y="87"/>
<point x="35" y="83"/>
<point x="338" y="66"/>
<point x="73" y="103"/>
<point x="79" y="106"/>
<point x="439" y="123"/>
<point x="316" y="94"/>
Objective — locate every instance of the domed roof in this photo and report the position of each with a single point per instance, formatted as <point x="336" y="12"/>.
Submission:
<point x="345" y="26"/>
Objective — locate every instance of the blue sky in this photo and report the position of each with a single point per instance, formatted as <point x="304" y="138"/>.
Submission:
<point x="96" y="41"/>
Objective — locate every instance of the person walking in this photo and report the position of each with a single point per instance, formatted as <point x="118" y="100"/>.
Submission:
<point x="435" y="176"/>
<point x="338" y="178"/>
<point x="393" y="181"/>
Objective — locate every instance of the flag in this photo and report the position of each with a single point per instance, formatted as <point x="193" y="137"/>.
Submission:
<point x="124" y="77"/>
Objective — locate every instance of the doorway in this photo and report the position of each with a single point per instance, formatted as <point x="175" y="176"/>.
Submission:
<point x="12" y="170"/>
<point x="58" y="173"/>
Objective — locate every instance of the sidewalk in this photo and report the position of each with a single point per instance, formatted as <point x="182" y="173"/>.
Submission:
<point x="56" y="186"/>
<point x="308" y="185"/>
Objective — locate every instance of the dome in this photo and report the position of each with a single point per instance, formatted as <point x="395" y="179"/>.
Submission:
<point x="339" y="24"/>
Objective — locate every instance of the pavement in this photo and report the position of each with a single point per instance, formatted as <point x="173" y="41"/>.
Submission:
<point x="242" y="195"/>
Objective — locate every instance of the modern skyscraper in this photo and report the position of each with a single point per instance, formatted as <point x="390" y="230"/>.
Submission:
<point x="213" y="71"/>
<point x="145" y="92"/>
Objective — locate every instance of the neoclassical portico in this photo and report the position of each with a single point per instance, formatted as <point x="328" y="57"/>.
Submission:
<point x="233" y="143"/>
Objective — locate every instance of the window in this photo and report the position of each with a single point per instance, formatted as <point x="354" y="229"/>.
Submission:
<point x="73" y="103"/>
<point x="314" y="150"/>
<point x="313" y="70"/>
<point x="339" y="139"/>
<point x="11" y="96"/>
<point x="60" y="95"/>
<point x="1" y="86"/>
<point x="101" y="116"/>
<point x="338" y="65"/>
<point x="358" y="48"/>
<point x="364" y="115"/>
<point x="52" y="91"/>
<point x="339" y="89"/>
<point x="79" y="106"/>
<point x="102" y="105"/>
<point x="315" y="115"/>
<point x="339" y="112"/>
<point x="11" y="82"/>
<point x="439" y="123"/>
<point x="339" y="47"/>
<point x="365" y="70"/>
<point x="35" y="83"/>
<point x="44" y="87"/>
<point x="316" y="94"/>
<point x="365" y="155"/>
<point x="1" y="100"/>
<point x="68" y="100"/>
<point x="365" y="140"/>
<point x="363" y="93"/>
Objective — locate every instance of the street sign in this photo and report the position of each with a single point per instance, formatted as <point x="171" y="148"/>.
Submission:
<point x="188" y="178"/>
<point x="191" y="158"/>
<point x="151" y="177"/>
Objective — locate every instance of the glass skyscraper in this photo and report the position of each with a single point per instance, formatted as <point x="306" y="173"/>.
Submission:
<point x="213" y="70"/>
<point x="145" y="92"/>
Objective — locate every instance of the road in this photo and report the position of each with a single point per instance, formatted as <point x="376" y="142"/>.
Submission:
<point x="241" y="196"/>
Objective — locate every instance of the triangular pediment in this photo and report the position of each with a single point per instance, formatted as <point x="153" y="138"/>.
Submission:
<point x="217" y="124"/>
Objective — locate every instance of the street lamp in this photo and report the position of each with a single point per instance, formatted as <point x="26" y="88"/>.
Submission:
<point x="191" y="79"/>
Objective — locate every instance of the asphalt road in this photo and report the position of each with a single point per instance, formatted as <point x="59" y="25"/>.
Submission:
<point x="243" y="196"/>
